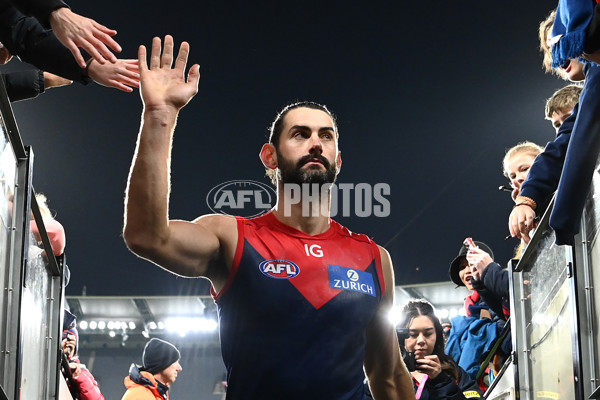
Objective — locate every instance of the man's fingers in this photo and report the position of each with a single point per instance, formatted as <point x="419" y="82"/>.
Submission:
<point x="143" y="63"/>
<point x="131" y="65"/>
<point x="93" y="44"/>
<point x="167" y="54"/>
<point x="104" y="39"/>
<point x="104" y="29"/>
<point x="155" y="55"/>
<point x="120" y="86"/>
<point x="194" y="75"/>
<point x="87" y="46"/>
<point x="129" y="82"/>
<point x="182" y="57"/>
<point x="77" y="54"/>
<point x="129" y="70"/>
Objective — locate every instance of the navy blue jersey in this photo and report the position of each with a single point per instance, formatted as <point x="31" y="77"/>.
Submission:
<point x="294" y="311"/>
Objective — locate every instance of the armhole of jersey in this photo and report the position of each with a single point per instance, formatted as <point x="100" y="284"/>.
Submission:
<point x="378" y="267"/>
<point x="239" y="249"/>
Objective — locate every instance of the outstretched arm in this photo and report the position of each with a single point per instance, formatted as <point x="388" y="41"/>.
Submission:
<point x="74" y="31"/>
<point x="122" y="74"/>
<point x="185" y="248"/>
<point x="388" y="376"/>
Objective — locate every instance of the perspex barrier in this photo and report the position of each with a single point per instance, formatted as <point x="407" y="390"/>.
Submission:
<point x="31" y="300"/>
<point x="555" y="334"/>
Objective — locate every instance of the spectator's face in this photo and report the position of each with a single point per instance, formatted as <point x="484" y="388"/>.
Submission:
<point x="421" y="337"/>
<point x="573" y="71"/>
<point x="465" y="273"/>
<point x="559" y="116"/>
<point x="517" y="168"/>
<point x="169" y="374"/>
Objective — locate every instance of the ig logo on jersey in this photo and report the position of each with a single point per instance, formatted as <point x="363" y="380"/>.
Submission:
<point x="279" y="269"/>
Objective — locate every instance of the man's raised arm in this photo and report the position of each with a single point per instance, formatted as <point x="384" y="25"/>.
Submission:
<point x="185" y="248"/>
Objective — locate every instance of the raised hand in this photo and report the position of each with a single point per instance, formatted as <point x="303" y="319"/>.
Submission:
<point x="478" y="261"/>
<point x="122" y="74"/>
<point x="74" y="31"/>
<point x="164" y="85"/>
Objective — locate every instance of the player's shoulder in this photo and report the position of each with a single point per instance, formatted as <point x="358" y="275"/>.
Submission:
<point x="344" y="231"/>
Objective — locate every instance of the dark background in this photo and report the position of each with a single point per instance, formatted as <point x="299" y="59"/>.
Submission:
<point x="428" y="95"/>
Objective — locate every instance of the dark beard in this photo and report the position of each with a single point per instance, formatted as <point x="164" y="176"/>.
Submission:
<point x="291" y="173"/>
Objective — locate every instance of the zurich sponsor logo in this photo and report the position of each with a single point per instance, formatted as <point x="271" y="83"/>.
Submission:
<point x="350" y="279"/>
<point x="279" y="269"/>
<point x="352" y="275"/>
<point x="245" y="198"/>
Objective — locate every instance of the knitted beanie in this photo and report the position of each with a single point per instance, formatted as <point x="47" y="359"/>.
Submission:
<point x="158" y="355"/>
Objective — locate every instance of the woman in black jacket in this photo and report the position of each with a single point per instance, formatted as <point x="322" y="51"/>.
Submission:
<point x="436" y="376"/>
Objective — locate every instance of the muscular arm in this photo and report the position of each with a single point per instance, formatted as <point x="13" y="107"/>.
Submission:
<point x="182" y="247"/>
<point x="388" y="376"/>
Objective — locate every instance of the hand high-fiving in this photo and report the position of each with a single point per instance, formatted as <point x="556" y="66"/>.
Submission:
<point x="162" y="85"/>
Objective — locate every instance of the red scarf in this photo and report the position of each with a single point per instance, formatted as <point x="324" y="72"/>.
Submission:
<point x="471" y="299"/>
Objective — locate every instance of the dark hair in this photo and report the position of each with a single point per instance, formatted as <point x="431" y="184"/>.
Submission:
<point x="277" y="125"/>
<point x="420" y="307"/>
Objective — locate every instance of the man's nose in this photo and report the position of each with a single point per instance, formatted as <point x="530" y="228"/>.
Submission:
<point x="315" y="143"/>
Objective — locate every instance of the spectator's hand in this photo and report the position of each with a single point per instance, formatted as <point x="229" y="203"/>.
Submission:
<point x="74" y="31"/>
<point x="122" y="74"/>
<point x="478" y="261"/>
<point x="5" y="55"/>
<point x="520" y="222"/>
<point x="68" y="345"/>
<point x="51" y="80"/>
<point x="430" y="365"/>
<point x="75" y="369"/>
<point x="161" y="85"/>
<point x="515" y="192"/>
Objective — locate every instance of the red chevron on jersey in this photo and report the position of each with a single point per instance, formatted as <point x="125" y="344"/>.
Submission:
<point x="312" y="255"/>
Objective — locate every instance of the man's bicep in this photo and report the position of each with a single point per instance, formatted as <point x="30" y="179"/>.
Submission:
<point x="192" y="247"/>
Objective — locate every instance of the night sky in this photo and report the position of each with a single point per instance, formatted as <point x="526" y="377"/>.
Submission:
<point x="428" y="97"/>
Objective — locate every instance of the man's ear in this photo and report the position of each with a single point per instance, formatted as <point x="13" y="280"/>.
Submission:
<point x="268" y="156"/>
<point x="338" y="161"/>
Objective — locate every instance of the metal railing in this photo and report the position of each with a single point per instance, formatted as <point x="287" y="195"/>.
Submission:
<point x="30" y="277"/>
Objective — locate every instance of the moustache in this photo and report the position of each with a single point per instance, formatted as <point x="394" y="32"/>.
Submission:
<point x="306" y="159"/>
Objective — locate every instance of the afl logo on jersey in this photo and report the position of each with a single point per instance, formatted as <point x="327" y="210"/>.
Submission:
<point x="279" y="269"/>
